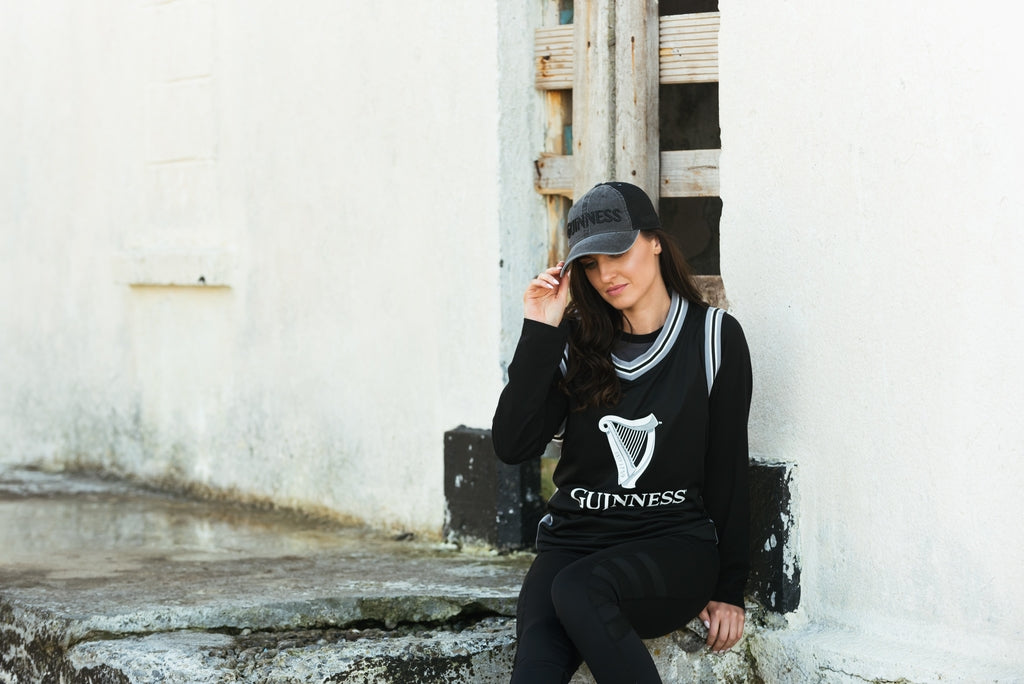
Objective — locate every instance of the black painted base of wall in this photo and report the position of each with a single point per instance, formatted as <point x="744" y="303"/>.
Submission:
<point x="500" y="505"/>
<point x="489" y="502"/>
<point x="774" y="569"/>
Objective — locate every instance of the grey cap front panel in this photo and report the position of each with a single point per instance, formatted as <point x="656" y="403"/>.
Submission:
<point x="599" y="223"/>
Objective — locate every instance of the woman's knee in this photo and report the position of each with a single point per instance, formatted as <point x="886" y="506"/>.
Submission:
<point x="586" y="597"/>
<point x="563" y="590"/>
<point x="580" y="585"/>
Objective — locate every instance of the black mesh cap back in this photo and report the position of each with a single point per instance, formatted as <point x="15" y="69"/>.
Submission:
<point x="641" y="209"/>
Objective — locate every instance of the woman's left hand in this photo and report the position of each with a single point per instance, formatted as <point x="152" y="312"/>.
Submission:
<point x="725" y="624"/>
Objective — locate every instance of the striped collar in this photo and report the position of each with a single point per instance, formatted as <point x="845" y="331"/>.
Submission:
<point x="631" y="370"/>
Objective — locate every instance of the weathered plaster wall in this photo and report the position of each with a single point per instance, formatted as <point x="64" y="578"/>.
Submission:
<point x="522" y="219"/>
<point x="871" y="241"/>
<point x="332" y="170"/>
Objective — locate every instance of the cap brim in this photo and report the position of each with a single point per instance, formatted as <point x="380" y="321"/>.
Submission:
<point x="605" y="243"/>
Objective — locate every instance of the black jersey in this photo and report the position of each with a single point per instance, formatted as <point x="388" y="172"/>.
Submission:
<point x="670" y="457"/>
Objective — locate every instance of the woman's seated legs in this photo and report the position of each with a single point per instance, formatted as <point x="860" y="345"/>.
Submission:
<point x="608" y="601"/>
<point x="544" y="652"/>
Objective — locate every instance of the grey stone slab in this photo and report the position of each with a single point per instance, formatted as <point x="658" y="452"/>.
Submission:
<point x="481" y="652"/>
<point x="84" y="559"/>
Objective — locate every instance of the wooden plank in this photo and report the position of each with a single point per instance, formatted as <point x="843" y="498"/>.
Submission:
<point x="689" y="173"/>
<point x="688" y="48"/>
<point x="558" y="107"/>
<point x="697" y="68"/>
<point x="693" y="47"/>
<point x="554" y="174"/>
<point x="684" y="173"/>
<point x="553" y="57"/>
<point x="558" y="243"/>
<point x="698" y="21"/>
<point x="593" y="125"/>
<point x="636" y="94"/>
<point x="690" y="76"/>
<point x="558" y="116"/>
<point x="669" y="37"/>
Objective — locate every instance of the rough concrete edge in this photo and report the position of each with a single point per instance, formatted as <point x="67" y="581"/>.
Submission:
<point x="42" y="641"/>
<point x="389" y="611"/>
<point x="680" y="656"/>
<point x="35" y="642"/>
<point x="479" y="651"/>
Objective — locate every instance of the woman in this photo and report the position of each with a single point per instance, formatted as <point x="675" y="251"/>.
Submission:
<point x="650" y="390"/>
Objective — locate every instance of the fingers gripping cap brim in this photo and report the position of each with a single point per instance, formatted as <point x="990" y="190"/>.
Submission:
<point x="605" y="243"/>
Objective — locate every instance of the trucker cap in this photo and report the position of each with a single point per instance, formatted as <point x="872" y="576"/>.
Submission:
<point x="607" y="220"/>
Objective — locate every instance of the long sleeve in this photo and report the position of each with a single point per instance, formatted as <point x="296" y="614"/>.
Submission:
<point x="725" y="467"/>
<point x="531" y="407"/>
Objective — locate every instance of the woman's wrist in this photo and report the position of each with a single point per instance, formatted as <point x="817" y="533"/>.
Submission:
<point x="540" y="318"/>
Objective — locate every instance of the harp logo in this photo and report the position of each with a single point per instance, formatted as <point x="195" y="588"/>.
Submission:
<point x="632" y="445"/>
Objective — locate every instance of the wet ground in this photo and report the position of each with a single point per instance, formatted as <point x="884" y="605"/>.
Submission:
<point x="108" y="567"/>
<point x="71" y="532"/>
<point x="81" y="525"/>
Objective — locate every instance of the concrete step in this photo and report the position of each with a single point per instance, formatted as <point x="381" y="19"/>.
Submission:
<point x="480" y="651"/>
<point x="105" y="581"/>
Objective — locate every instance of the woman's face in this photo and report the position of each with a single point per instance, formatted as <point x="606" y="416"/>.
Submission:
<point x="630" y="279"/>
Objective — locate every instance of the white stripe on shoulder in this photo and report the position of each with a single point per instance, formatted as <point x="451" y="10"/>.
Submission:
<point x="712" y="344"/>
<point x="560" y="433"/>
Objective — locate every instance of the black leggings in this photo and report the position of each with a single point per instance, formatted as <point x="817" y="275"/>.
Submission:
<point x="596" y="607"/>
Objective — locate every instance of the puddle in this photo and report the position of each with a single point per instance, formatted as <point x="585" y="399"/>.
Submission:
<point x="95" y="526"/>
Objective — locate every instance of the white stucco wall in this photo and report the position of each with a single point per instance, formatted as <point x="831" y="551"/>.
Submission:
<point x="333" y="168"/>
<point x="353" y="180"/>
<point x="871" y="241"/>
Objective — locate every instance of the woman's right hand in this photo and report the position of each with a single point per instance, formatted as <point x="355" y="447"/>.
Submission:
<point x="546" y="295"/>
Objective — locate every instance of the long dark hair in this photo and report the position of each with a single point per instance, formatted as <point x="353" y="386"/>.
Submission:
<point x="590" y="377"/>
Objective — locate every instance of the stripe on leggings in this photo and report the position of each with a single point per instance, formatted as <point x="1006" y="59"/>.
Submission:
<point x="657" y="578"/>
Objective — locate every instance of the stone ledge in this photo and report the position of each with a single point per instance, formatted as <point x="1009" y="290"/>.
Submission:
<point x="478" y="652"/>
<point x="41" y="646"/>
<point x="101" y="581"/>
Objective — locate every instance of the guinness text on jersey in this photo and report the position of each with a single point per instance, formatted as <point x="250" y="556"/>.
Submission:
<point x="600" y="501"/>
